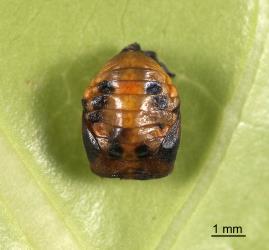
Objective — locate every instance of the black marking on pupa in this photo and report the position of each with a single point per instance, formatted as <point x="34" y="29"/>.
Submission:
<point x="115" y="151"/>
<point x="169" y="146"/>
<point x="142" y="151"/>
<point x="105" y="87"/>
<point x="90" y="143"/>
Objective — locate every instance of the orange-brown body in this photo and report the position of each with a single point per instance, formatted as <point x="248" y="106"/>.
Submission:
<point x="131" y="109"/>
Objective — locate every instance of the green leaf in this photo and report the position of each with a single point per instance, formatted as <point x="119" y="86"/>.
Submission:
<point x="48" y="197"/>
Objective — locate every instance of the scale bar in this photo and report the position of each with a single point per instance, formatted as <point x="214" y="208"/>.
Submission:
<point x="228" y="235"/>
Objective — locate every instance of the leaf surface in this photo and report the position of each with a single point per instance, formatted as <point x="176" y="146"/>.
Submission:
<point x="49" y="199"/>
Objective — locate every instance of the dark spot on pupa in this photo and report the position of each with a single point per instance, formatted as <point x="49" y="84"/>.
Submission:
<point x="95" y="116"/>
<point x="115" y="150"/>
<point x="99" y="102"/>
<point x="142" y="151"/>
<point x="161" y="101"/>
<point x="153" y="88"/>
<point x="91" y="145"/>
<point x="169" y="146"/>
<point x="106" y="87"/>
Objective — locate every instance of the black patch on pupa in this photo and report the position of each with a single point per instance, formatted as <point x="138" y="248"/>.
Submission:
<point x="115" y="151"/>
<point x="94" y="117"/>
<point x="161" y="101"/>
<point x="90" y="143"/>
<point x="99" y="102"/>
<point x="142" y="151"/>
<point x="153" y="88"/>
<point x="106" y="87"/>
<point x="169" y="146"/>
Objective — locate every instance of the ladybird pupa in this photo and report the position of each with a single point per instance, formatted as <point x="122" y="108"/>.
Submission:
<point x="131" y="117"/>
